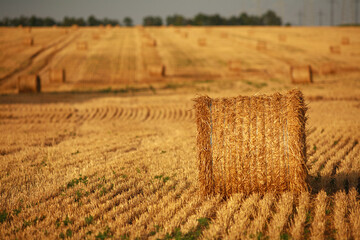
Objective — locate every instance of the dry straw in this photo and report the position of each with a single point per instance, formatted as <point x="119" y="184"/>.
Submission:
<point x="224" y="35"/>
<point x="335" y="49"/>
<point x="234" y="65"/>
<point x="202" y="42"/>
<point x="345" y="41"/>
<point x="261" y="45"/>
<point x="57" y="75"/>
<point x="96" y="36"/>
<point x="29" y="83"/>
<point x="282" y="38"/>
<point x="82" y="45"/>
<point x="328" y="68"/>
<point x="251" y="144"/>
<point x="150" y="42"/>
<point x="301" y="74"/>
<point x="28" y="41"/>
<point x="157" y="70"/>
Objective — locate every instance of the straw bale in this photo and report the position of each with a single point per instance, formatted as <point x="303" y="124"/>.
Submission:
<point x="28" y="41"/>
<point x="261" y="45"/>
<point x="224" y="35"/>
<point x="234" y="65"/>
<point x="150" y="42"/>
<point x="301" y="74"/>
<point x="185" y="35"/>
<point x="282" y="38"/>
<point x="335" y="49"/>
<point x="96" y="36"/>
<point x="251" y="144"/>
<point x="57" y="75"/>
<point x="29" y="83"/>
<point x="157" y="70"/>
<point x="345" y="41"/>
<point x="202" y="42"/>
<point x="328" y="68"/>
<point x="82" y="45"/>
<point x="74" y="26"/>
<point x="27" y="29"/>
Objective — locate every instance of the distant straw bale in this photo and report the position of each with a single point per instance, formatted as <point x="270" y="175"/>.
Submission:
<point x="345" y="41"/>
<point x="282" y="38"/>
<point x="335" y="49"/>
<point x="224" y="35"/>
<point x="202" y="42"/>
<point x="149" y="43"/>
<point x="157" y="70"/>
<point x="28" y="41"/>
<point x="28" y="29"/>
<point x="301" y="74"/>
<point x="185" y="35"/>
<point x="234" y="65"/>
<point x="74" y="26"/>
<point x="96" y="36"/>
<point x="29" y="84"/>
<point x="108" y="26"/>
<point x="57" y="75"/>
<point x="251" y="144"/>
<point x="261" y="46"/>
<point x="83" y="45"/>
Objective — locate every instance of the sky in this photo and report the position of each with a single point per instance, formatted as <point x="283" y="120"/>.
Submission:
<point x="303" y="12"/>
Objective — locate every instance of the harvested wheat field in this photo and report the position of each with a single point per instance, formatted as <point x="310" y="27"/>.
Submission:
<point x="112" y="152"/>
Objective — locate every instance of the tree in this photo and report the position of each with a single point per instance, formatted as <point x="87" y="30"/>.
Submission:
<point x="128" y="21"/>
<point x="152" y="21"/>
<point x="270" y="18"/>
<point x="93" y="21"/>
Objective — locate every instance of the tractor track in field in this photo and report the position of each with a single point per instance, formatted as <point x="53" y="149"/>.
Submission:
<point x="29" y="114"/>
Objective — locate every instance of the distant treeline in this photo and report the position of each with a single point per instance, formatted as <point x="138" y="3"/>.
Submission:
<point x="67" y="21"/>
<point x="269" y="18"/>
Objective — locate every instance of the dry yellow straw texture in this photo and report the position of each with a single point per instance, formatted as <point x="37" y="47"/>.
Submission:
<point x="345" y="41"/>
<point x="251" y="144"/>
<point x="335" y="49"/>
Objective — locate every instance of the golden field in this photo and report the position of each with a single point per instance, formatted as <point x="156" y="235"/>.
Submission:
<point x="111" y="152"/>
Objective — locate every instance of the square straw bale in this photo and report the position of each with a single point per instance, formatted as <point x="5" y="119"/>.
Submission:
<point x="28" y="41"/>
<point x="261" y="46"/>
<point x="235" y="65"/>
<point x="82" y="45"/>
<point x="149" y="43"/>
<point x="251" y="144"/>
<point x="29" y="84"/>
<point x="202" y="42"/>
<point x="345" y="41"/>
<point x="301" y="74"/>
<point x="335" y="49"/>
<point x="157" y="70"/>
<point x="57" y="75"/>
<point x="282" y="38"/>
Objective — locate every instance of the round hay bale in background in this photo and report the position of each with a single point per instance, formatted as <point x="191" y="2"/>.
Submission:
<point x="157" y="70"/>
<point x="185" y="35"/>
<point x="28" y="41"/>
<point x="335" y="49"/>
<point x="328" y="68"/>
<point x="83" y="45"/>
<point x="234" y="65"/>
<point x="57" y="75"/>
<point x="29" y="84"/>
<point x="301" y="74"/>
<point x="202" y="42"/>
<point x="251" y="144"/>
